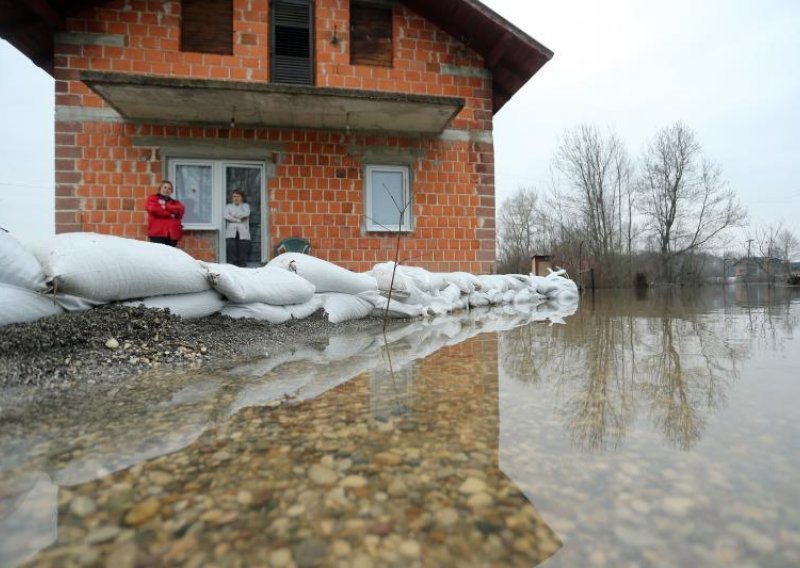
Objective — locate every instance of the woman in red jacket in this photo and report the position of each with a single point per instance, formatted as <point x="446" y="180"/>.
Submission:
<point x="164" y="216"/>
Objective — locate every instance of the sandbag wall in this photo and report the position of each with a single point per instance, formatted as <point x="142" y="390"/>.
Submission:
<point x="78" y="271"/>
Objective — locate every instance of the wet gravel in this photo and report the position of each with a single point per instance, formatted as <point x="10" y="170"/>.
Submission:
<point x="115" y="343"/>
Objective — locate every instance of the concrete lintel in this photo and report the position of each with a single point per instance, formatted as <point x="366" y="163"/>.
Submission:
<point x="464" y="71"/>
<point x="88" y="38"/>
<point x="87" y="114"/>
<point x="212" y="148"/>
<point x="386" y="155"/>
<point x="452" y="135"/>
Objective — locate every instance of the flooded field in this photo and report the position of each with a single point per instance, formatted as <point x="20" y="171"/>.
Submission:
<point x="652" y="431"/>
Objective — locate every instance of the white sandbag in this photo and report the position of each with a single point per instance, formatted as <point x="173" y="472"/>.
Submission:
<point x="271" y="314"/>
<point x="324" y="275"/>
<point x="18" y="305"/>
<point x="18" y="266"/>
<point x="345" y="307"/>
<point x="387" y="278"/>
<point x="72" y="303"/>
<point x="494" y="282"/>
<point x="395" y="309"/>
<point x="478" y="299"/>
<point x="187" y="306"/>
<point x="552" y="284"/>
<point x="524" y="296"/>
<point x="466" y="282"/>
<point x="424" y="280"/>
<point x="516" y="281"/>
<point x="104" y="267"/>
<point x="265" y="285"/>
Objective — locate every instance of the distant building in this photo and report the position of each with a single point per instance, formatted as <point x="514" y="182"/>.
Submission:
<point x="760" y="269"/>
<point x="541" y="264"/>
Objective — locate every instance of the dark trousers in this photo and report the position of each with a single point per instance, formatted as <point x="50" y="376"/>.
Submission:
<point x="237" y="250"/>
<point x="163" y="241"/>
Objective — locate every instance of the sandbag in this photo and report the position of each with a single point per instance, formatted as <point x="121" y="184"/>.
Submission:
<point x="18" y="305"/>
<point x="424" y="279"/>
<point x="265" y="285"/>
<point x="107" y="268"/>
<point x="494" y="282"/>
<point x="466" y="282"/>
<point x="478" y="299"/>
<point x="18" y="266"/>
<point x="395" y="309"/>
<point x="72" y="303"/>
<point x="389" y="278"/>
<point x="345" y="307"/>
<point x="324" y="275"/>
<point x="187" y="306"/>
<point x="271" y="314"/>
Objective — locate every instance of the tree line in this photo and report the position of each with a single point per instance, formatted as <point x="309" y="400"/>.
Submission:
<point x="615" y="218"/>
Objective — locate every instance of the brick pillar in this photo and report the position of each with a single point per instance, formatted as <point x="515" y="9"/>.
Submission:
<point x="68" y="205"/>
<point x="484" y="169"/>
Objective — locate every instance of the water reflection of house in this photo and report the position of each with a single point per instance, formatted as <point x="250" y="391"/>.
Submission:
<point x="760" y="269"/>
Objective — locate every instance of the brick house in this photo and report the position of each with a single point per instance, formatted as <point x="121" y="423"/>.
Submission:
<point x="331" y="116"/>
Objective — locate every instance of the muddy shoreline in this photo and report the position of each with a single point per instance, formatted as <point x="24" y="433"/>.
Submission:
<point x="116" y="343"/>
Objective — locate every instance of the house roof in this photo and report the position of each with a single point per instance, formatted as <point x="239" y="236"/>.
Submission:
<point x="511" y="55"/>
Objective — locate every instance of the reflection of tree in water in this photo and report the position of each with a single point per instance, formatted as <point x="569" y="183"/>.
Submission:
<point x="676" y="356"/>
<point x="583" y="361"/>
<point x="686" y="374"/>
<point x="768" y="311"/>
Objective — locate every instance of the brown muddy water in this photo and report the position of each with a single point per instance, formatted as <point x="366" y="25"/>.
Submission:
<point x="653" y="431"/>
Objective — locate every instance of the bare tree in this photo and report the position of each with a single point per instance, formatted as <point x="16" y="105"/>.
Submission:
<point x="519" y="224"/>
<point x="686" y="204"/>
<point x="788" y="245"/>
<point x="775" y="246"/>
<point x="598" y="172"/>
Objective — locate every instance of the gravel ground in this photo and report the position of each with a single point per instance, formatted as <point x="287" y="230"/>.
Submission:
<point x="115" y="343"/>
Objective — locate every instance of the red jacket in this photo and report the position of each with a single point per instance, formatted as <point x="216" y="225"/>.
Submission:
<point x="164" y="216"/>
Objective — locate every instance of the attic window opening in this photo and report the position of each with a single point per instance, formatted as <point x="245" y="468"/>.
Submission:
<point x="370" y="34"/>
<point x="207" y="26"/>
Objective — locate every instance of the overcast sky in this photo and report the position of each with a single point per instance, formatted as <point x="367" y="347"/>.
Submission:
<point x="728" y="69"/>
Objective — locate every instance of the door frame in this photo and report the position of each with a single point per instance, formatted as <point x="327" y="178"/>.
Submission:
<point x="219" y="196"/>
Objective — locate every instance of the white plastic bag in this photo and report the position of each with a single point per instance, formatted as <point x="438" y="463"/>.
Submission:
<point x="104" y="267"/>
<point x="18" y="266"/>
<point x="345" y="307"/>
<point x="265" y="285"/>
<point x="396" y="309"/>
<point x="18" y="305"/>
<point x="187" y="306"/>
<point x="270" y="313"/>
<point x="324" y="275"/>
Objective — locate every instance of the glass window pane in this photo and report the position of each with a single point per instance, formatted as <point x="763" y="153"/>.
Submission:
<point x="388" y="198"/>
<point x="193" y="188"/>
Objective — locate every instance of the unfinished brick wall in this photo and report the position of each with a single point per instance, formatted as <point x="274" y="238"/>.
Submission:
<point x="102" y="179"/>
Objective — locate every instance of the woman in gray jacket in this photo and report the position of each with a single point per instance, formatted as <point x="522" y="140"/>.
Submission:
<point x="237" y="229"/>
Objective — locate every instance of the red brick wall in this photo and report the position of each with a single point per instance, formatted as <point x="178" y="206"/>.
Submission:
<point x="102" y="179"/>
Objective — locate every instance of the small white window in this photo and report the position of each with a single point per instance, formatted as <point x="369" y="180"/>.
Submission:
<point x="388" y="199"/>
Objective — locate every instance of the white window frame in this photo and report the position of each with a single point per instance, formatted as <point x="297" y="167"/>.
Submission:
<point x="216" y="209"/>
<point x="218" y="166"/>
<point x="369" y="223"/>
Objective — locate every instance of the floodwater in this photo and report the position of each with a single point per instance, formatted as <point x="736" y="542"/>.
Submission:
<point x="652" y="431"/>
